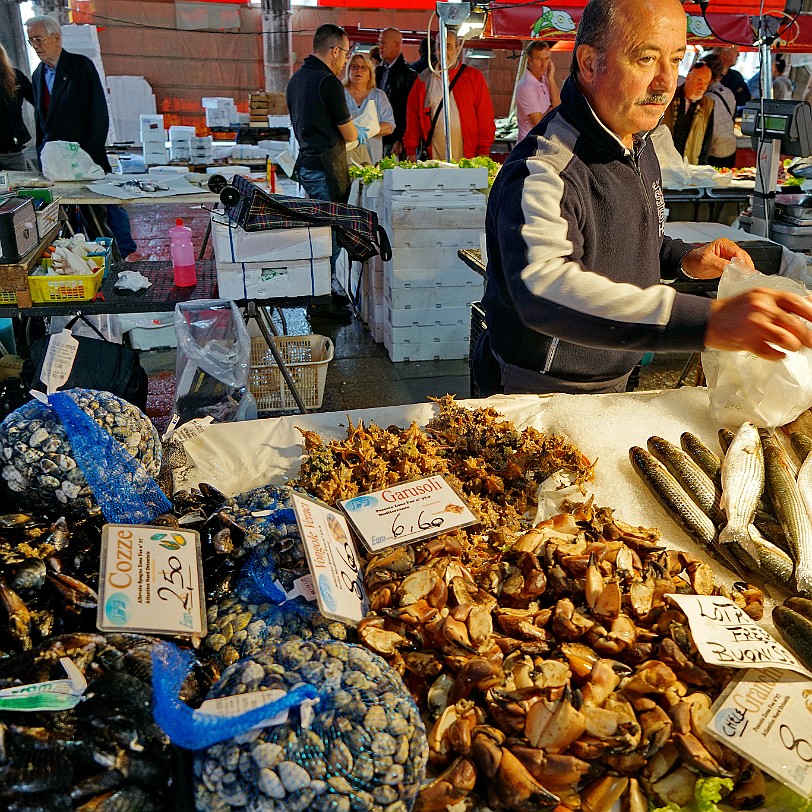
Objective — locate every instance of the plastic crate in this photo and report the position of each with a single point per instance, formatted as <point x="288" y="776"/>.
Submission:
<point x="65" y="288"/>
<point x="306" y="358"/>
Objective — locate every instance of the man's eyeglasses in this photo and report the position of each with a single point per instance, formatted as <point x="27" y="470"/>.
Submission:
<point x="38" y="40"/>
<point x="346" y="50"/>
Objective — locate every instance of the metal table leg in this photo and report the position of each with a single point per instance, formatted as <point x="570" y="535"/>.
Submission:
<point x="205" y="240"/>
<point x="266" y="327"/>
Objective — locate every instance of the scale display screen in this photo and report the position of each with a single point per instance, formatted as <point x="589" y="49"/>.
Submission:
<point x="774" y="124"/>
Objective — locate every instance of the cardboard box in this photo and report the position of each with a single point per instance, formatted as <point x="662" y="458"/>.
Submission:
<point x="274" y="279"/>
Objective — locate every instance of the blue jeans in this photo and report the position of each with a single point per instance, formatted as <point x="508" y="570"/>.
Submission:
<point x="118" y="221"/>
<point x="314" y="182"/>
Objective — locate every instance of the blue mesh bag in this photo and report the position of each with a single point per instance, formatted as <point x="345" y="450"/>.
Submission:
<point x="84" y="450"/>
<point x="361" y="748"/>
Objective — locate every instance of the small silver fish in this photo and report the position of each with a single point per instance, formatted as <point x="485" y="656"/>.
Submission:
<point x="789" y="504"/>
<point x="742" y="486"/>
<point x="667" y="491"/>
<point x="709" y="462"/>
<point x="801" y="445"/>
<point x="694" y="481"/>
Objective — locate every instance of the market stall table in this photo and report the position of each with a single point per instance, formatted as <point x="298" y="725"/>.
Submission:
<point x="163" y="296"/>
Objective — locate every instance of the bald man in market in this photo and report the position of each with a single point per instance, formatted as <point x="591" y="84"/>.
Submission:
<point x="575" y="230"/>
<point x="395" y="77"/>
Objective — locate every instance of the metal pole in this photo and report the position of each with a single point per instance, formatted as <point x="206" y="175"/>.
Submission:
<point x="446" y="95"/>
<point x="765" y="80"/>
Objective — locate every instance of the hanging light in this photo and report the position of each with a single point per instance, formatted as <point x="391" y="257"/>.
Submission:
<point x="474" y="24"/>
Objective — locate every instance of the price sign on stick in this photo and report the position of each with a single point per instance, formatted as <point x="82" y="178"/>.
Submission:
<point x="334" y="564"/>
<point x="151" y="581"/>
<point x="407" y="512"/>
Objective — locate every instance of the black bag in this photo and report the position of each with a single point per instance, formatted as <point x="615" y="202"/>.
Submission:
<point x="424" y="144"/>
<point x="99" y="364"/>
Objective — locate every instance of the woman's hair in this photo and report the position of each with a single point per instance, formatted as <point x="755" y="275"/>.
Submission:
<point x="8" y="78"/>
<point x="368" y="62"/>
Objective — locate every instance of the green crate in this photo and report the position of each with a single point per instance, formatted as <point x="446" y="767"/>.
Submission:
<point x="38" y="194"/>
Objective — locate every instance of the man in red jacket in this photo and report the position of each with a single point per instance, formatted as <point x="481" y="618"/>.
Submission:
<point x="472" y="123"/>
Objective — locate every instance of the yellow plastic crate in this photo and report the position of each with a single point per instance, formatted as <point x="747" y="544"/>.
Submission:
<point x="65" y="288"/>
<point x="72" y="288"/>
<point x="306" y="358"/>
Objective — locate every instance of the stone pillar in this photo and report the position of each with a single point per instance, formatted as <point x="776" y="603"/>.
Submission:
<point x="12" y="36"/>
<point x="54" y="8"/>
<point x="277" y="44"/>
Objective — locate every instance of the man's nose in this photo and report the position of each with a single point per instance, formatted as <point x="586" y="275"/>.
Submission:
<point x="665" y="79"/>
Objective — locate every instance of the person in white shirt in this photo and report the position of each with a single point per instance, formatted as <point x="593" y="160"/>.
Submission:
<point x="537" y="92"/>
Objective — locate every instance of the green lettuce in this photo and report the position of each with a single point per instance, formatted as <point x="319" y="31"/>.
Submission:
<point x="707" y="794"/>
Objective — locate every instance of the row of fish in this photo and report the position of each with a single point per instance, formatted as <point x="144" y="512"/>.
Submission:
<point x="751" y="510"/>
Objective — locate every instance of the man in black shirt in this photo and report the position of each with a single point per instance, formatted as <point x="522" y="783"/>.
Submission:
<point x="395" y="77"/>
<point x="322" y="125"/>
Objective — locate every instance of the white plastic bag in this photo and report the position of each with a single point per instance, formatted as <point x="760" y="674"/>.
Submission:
<point x="66" y="160"/>
<point x="743" y="386"/>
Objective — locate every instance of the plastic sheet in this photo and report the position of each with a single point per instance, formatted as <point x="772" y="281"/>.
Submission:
<point x="743" y="386"/>
<point x="213" y="359"/>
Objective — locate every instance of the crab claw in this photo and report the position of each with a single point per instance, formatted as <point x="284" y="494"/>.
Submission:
<point x="449" y="788"/>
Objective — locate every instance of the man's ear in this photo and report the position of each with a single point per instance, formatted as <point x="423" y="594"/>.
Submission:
<point x="587" y="58"/>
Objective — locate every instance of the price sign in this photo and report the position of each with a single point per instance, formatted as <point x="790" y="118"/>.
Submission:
<point x="726" y="635"/>
<point x="766" y="716"/>
<point x="58" y="362"/>
<point x="151" y="581"/>
<point x="333" y="560"/>
<point x="407" y="512"/>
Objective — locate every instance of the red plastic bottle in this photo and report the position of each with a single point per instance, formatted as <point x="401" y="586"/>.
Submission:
<point x="183" y="255"/>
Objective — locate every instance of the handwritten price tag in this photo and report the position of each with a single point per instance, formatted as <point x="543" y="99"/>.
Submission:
<point x="765" y="716"/>
<point x="407" y="512"/>
<point x="151" y="581"/>
<point x="726" y="635"/>
<point x="333" y="560"/>
<point x="58" y="362"/>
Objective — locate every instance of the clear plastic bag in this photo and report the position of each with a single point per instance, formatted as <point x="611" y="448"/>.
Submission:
<point x="66" y="160"/>
<point x="743" y="386"/>
<point x="213" y="360"/>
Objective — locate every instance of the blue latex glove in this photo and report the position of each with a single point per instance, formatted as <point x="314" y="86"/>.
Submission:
<point x="363" y="135"/>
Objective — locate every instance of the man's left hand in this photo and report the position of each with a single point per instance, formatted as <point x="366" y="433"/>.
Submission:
<point x="708" y="261"/>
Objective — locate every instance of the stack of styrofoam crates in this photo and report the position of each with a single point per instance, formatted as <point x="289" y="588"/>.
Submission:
<point x="276" y="264"/>
<point x="180" y="142"/>
<point x="153" y="139"/>
<point x="202" y="149"/>
<point x="129" y="97"/>
<point x="430" y="214"/>
<point x="372" y="286"/>
<point x="220" y="111"/>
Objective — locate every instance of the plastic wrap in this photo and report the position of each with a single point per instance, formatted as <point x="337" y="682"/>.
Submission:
<point x="743" y="386"/>
<point x="213" y="360"/>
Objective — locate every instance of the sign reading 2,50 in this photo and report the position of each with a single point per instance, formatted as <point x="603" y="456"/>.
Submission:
<point x="175" y="577"/>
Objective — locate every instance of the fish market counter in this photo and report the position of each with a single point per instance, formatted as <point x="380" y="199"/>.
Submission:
<point x="237" y="456"/>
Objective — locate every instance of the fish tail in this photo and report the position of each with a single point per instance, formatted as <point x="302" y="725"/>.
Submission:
<point x="740" y="538"/>
<point x="803" y="581"/>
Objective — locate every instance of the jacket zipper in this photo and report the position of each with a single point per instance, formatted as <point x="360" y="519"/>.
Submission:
<point x="636" y="166"/>
<point x="548" y="360"/>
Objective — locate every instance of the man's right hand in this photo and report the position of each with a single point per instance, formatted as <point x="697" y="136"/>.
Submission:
<point x="751" y="321"/>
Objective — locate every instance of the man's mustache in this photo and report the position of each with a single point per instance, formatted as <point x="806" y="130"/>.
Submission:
<point x="660" y="98"/>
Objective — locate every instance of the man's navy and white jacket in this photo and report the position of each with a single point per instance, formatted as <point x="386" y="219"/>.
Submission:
<point x="576" y="251"/>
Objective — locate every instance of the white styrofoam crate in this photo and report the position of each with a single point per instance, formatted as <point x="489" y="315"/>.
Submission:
<point x="454" y="238"/>
<point x="150" y="338"/>
<point x="150" y="120"/>
<point x="214" y="102"/>
<point x="431" y="351"/>
<point x="402" y="298"/>
<point x="180" y="132"/>
<point x="446" y="271"/>
<point x="468" y="213"/>
<point x="156" y="156"/>
<point x="274" y="279"/>
<point x="426" y="334"/>
<point x="448" y="176"/>
<point x="428" y="317"/>
<point x="153" y="137"/>
<point x="233" y="244"/>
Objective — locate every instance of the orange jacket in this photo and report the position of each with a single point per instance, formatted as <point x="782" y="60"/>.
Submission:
<point x="474" y="105"/>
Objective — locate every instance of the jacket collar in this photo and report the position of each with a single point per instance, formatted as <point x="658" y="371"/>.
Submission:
<point x="312" y="61"/>
<point x="578" y="111"/>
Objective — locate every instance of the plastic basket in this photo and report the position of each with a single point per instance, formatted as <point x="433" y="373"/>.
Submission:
<point x="71" y="288"/>
<point x="306" y="358"/>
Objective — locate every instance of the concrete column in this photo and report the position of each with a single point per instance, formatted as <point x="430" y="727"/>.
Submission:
<point x="54" y="8"/>
<point x="277" y="44"/>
